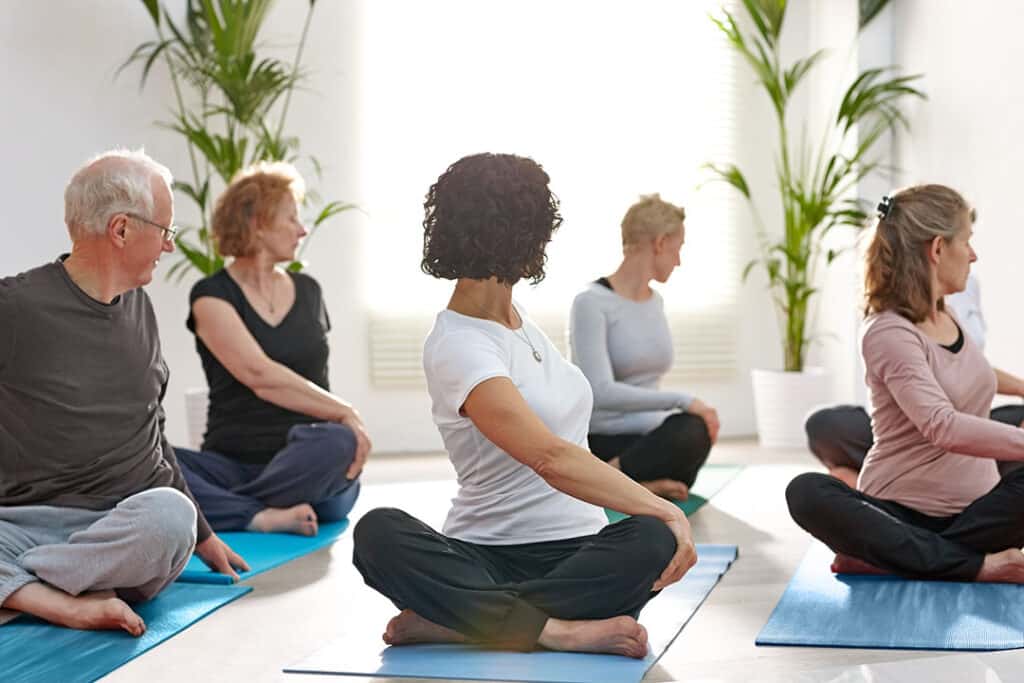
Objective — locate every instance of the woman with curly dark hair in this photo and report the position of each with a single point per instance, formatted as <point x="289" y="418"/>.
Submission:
<point x="526" y="558"/>
<point x="929" y="502"/>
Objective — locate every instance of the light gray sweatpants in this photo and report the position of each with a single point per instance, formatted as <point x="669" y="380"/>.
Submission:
<point x="135" y="548"/>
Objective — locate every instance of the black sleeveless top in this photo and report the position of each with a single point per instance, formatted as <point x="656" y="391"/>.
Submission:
<point x="239" y="424"/>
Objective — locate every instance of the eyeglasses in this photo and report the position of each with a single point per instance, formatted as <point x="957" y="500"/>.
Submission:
<point x="168" y="231"/>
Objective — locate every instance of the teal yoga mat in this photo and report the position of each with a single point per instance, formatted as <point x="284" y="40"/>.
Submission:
<point x="361" y="653"/>
<point x="32" y="651"/>
<point x="710" y="480"/>
<point x="263" y="552"/>
<point x="823" y="609"/>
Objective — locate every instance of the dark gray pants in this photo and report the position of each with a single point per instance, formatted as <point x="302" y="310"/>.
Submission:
<point x="675" y="449"/>
<point x="309" y="469"/>
<point x="840" y="436"/>
<point x="503" y="595"/>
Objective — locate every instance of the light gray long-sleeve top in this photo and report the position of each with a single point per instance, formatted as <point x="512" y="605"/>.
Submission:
<point x="624" y="348"/>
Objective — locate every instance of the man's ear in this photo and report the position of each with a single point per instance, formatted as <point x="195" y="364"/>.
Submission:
<point x="117" y="230"/>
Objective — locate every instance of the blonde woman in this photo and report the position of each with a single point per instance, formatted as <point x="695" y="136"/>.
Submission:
<point x="281" y="452"/>
<point x="929" y="502"/>
<point x="620" y="339"/>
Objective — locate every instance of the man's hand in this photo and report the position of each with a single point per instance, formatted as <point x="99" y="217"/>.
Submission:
<point x="219" y="557"/>
<point x="686" y="553"/>
<point x="353" y="421"/>
<point x="708" y="414"/>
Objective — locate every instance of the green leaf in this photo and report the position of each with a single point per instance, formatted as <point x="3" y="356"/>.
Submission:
<point x="332" y="209"/>
<point x="730" y="174"/>
<point x="869" y="9"/>
<point x="153" y="7"/>
<point x="196" y="257"/>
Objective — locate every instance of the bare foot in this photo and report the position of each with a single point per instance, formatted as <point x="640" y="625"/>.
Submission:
<point x="1003" y="567"/>
<point x="844" y="564"/>
<point x="667" y="488"/>
<point x="408" y="628"/>
<point x="98" y="611"/>
<point x="298" y="519"/>
<point x="847" y="475"/>
<point x="616" y="636"/>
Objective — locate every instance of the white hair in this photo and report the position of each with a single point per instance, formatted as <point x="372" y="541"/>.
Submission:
<point x="116" y="181"/>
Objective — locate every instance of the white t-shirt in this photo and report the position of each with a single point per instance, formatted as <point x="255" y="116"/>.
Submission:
<point x="500" y="500"/>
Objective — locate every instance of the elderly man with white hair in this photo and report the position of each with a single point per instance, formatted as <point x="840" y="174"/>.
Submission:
<point x="94" y="511"/>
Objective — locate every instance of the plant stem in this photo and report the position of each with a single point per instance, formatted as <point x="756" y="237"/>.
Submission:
<point x="295" y="70"/>
<point x="181" y="112"/>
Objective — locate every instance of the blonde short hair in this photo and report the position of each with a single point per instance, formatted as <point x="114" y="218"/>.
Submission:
<point x="648" y="218"/>
<point x="253" y="195"/>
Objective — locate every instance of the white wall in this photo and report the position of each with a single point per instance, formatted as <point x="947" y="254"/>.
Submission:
<point x="62" y="104"/>
<point x="967" y="135"/>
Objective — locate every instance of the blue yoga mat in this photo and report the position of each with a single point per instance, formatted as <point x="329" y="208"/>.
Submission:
<point x="846" y="610"/>
<point x="32" y="651"/>
<point x="360" y="652"/>
<point x="263" y="552"/>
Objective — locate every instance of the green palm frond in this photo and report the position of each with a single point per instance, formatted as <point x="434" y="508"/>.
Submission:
<point x="814" y="182"/>
<point x="226" y="93"/>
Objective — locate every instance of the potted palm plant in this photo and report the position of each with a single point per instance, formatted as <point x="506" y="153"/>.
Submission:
<point x="817" y="189"/>
<point x="230" y="109"/>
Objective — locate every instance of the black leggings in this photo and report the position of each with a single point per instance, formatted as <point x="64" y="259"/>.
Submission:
<point x="503" y="595"/>
<point x="676" y="449"/>
<point x="840" y="436"/>
<point x="902" y="540"/>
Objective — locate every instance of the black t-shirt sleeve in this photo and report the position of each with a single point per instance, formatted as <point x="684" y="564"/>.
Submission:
<point x="8" y="322"/>
<point x="320" y="310"/>
<point x="215" y="286"/>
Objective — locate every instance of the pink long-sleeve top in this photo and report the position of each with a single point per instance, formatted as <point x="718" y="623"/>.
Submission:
<point x="935" y="447"/>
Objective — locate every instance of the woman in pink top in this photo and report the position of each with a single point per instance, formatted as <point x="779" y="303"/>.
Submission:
<point x="929" y="502"/>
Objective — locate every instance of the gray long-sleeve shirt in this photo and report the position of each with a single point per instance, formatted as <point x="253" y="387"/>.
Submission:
<point x="81" y="385"/>
<point x="624" y="348"/>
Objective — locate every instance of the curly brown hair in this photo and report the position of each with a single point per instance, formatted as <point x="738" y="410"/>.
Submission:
<point x="896" y="273"/>
<point x="489" y="215"/>
<point x="249" y="201"/>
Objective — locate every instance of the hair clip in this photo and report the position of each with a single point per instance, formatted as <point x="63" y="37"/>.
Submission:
<point x="884" y="207"/>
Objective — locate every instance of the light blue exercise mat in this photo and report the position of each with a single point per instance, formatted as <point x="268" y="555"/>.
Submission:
<point x="32" y="651"/>
<point x="846" y="610"/>
<point x="263" y="552"/>
<point x="361" y="653"/>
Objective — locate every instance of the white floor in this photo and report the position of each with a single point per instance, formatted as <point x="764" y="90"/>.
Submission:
<point x="297" y="609"/>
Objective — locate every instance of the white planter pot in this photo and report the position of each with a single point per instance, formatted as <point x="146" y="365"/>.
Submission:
<point x="196" y="401"/>
<point x="782" y="401"/>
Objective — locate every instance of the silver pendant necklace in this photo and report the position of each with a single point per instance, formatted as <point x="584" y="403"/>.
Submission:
<point x="524" y="337"/>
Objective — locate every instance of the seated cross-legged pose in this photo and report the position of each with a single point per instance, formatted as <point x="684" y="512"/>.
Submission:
<point x="620" y="339"/>
<point x="94" y="511"/>
<point x="930" y="502"/>
<point x="281" y="452"/>
<point x="840" y="436"/>
<point x="525" y="558"/>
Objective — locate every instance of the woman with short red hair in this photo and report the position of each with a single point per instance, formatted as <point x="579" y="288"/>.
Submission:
<point x="281" y="452"/>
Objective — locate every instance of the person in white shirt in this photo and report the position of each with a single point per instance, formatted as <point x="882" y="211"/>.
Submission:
<point x="840" y="436"/>
<point x="526" y="558"/>
<point x="620" y="339"/>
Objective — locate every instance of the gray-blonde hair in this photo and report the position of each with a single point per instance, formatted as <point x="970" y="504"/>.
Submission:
<point x="896" y="274"/>
<point x="648" y="218"/>
<point x="116" y="181"/>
